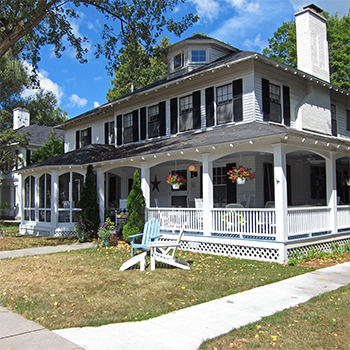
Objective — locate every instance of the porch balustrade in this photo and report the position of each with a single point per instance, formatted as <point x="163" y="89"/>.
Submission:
<point x="251" y="223"/>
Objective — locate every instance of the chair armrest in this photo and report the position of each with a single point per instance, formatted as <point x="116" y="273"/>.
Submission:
<point x="134" y="236"/>
<point x="164" y="244"/>
<point x="156" y="237"/>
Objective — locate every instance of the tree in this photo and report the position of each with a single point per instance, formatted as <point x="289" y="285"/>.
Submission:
<point x="136" y="68"/>
<point x="282" y="47"/>
<point x="27" y="25"/>
<point x="43" y="109"/>
<point x="10" y="142"/>
<point x="88" y="199"/>
<point x="136" y="205"/>
<point x="52" y="148"/>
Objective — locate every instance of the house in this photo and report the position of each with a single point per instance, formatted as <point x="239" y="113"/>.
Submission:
<point x="38" y="135"/>
<point x="218" y="107"/>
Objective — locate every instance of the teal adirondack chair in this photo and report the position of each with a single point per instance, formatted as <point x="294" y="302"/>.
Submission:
<point x="151" y="233"/>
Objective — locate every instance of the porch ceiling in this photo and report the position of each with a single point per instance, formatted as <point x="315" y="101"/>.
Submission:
<point x="202" y="141"/>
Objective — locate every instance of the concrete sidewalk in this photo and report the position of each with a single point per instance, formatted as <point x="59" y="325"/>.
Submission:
<point x="186" y="329"/>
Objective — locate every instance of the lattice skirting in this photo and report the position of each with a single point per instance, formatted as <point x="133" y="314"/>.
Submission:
<point x="327" y="247"/>
<point x="233" y="250"/>
<point x="65" y="233"/>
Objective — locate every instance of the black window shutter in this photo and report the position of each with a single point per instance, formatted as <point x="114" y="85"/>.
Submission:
<point x="209" y="106"/>
<point x="143" y="118"/>
<point x="106" y="134"/>
<point x="77" y="140"/>
<point x="173" y="115"/>
<point x="89" y="136"/>
<point x="135" y="125"/>
<point x="196" y="100"/>
<point x="286" y="105"/>
<point x="119" y="130"/>
<point x="237" y="100"/>
<point x="265" y="84"/>
<point x="162" y="118"/>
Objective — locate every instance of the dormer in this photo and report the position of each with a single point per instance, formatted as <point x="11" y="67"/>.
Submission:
<point x="194" y="52"/>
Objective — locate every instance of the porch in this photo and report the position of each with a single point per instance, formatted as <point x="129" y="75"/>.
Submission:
<point x="254" y="233"/>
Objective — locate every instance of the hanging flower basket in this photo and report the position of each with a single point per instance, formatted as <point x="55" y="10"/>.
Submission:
<point x="241" y="174"/>
<point x="175" y="181"/>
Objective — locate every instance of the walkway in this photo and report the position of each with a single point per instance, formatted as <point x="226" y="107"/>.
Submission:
<point x="184" y="329"/>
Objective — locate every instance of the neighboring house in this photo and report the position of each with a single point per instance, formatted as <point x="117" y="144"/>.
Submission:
<point x="218" y="107"/>
<point x="38" y="135"/>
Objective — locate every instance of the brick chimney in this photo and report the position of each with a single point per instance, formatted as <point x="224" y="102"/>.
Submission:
<point x="312" y="44"/>
<point x="20" y="118"/>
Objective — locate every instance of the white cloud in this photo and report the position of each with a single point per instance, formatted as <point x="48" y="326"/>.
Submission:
<point x="252" y="45"/>
<point x="45" y="83"/>
<point x="96" y="104"/>
<point x="77" y="101"/>
<point x="244" y="5"/>
<point x="99" y="78"/>
<point x="207" y="9"/>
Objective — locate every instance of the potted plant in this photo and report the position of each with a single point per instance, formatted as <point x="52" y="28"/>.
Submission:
<point x="176" y="181"/>
<point x="347" y="179"/>
<point x="240" y="174"/>
<point x="105" y="232"/>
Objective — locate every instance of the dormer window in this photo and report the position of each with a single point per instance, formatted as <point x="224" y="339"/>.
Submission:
<point x="178" y="60"/>
<point x="199" y="56"/>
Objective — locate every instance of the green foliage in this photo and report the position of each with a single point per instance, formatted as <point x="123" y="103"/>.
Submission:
<point x="3" y="207"/>
<point x="44" y="110"/>
<point x="83" y="230"/>
<point x="282" y="47"/>
<point x="88" y="199"/>
<point x="52" y="148"/>
<point x="136" y="209"/>
<point x="137" y="68"/>
<point x="10" y="142"/>
<point x="26" y="22"/>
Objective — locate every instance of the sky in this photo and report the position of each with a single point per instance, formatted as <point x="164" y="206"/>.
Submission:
<point x="245" y="24"/>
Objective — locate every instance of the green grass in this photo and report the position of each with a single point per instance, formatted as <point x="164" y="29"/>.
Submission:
<point x="322" y="323"/>
<point x="86" y="288"/>
<point x="13" y="240"/>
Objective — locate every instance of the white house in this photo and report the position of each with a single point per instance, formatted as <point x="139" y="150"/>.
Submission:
<point x="9" y="182"/>
<point x="218" y="107"/>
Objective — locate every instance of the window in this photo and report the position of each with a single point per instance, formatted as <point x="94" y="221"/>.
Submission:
<point x="272" y="103"/>
<point x="178" y="60"/>
<point x="334" y="120"/>
<point x="153" y="121"/>
<point x="45" y="198"/>
<point x="109" y="133"/>
<point x="69" y="185"/>
<point x="348" y="120"/>
<point x="83" y="138"/>
<point x="29" y="198"/>
<point x="219" y="182"/>
<point x="128" y="127"/>
<point x="198" y="56"/>
<point x="28" y="156"/>
<point x="275" y="93"/>
<point x="224" y="94"/>
<point x="186" y="105"/>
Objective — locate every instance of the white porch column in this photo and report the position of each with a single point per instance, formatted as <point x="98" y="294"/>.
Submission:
<point x="207" y="193"/>
<point x="100" y="193"/>
<point x="280" y="183"/>
<point x="332" y="191"/>
<point x="145" y="181"/>
<point x="54" y="198"/>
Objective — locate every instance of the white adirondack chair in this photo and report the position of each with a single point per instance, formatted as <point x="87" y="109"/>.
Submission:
<point x="164" y="251"/>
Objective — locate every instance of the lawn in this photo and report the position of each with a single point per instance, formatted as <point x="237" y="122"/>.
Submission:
<point x="13" y="240"/>
<point x="321" y="323"/>
<point x="86" y="288"/>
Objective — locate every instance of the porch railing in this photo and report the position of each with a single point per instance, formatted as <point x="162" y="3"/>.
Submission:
<point x="305" y="220"/>
<point x="343" y="217"/>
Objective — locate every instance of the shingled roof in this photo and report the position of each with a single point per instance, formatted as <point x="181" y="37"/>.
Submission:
<point x="39" y="134"/>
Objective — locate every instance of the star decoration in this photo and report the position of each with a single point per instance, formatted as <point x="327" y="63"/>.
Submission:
<point x="155" y="184"/>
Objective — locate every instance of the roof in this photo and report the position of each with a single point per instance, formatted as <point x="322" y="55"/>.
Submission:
<point x="39" y="134"/>
<point x="95" y="153"/>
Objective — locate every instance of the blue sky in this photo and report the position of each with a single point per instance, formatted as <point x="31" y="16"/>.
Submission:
<point x="245" y="24"/>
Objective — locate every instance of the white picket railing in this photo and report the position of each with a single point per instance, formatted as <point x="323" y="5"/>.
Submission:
<point x="252" y="223"/>
<point x="303" y="220"/>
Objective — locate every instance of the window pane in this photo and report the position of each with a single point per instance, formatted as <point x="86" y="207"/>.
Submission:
<point x="42" y="191"/>
<point x="48" y="191"/>
<point x="186" y="104"/>
<point x="224" y="94"/>
<point x="178" y="61"/>
<point x="198" y="56"/>
<point x="64" y="181"/>
<point x="32" y="192"/>
<point x="275" y="94"/>
<point x="77" y="183"/>
<point x="153" y="113"/>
